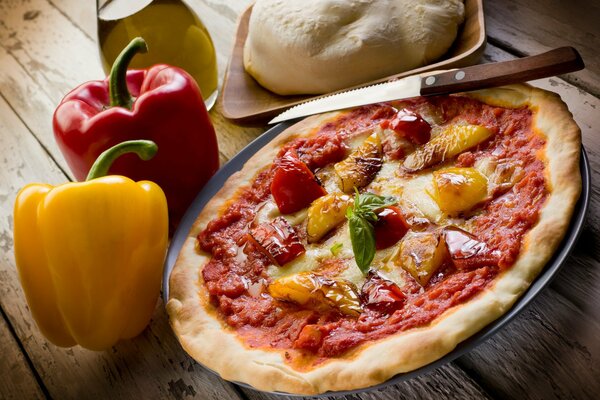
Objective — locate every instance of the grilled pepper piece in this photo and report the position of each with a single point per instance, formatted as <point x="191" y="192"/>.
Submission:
<point x="278" y="241"/>
<point x="390" y="227"/>
<point x="90" y="254"/>
<point x="361" y="166"/>
<point x="381" y="294"/>
<point x="317" y="292"/>
<point x="458" y="190"/>
<point x="421" y="255"/>
<point x="326" y="213"/>
<point x="410" y="125"/>
<point x="452" y="141"/>
<point x="162" y="104"/>
<point x="294" y="186"/>
<point x="466" y="251"/>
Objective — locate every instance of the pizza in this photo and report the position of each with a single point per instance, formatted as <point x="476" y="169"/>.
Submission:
<point x="369" y="242"/>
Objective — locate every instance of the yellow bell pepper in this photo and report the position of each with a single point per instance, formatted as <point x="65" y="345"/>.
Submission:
<point x="90" y="254"/>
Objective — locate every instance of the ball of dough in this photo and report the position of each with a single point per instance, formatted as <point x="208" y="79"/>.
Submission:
<point x="318" y="46"/>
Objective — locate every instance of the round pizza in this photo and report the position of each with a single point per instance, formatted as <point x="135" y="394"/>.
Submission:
<point x="369" y="242"/>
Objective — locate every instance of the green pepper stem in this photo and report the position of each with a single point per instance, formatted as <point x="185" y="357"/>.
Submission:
<point x="145" y="149"/>
<point x="117" y="81"/>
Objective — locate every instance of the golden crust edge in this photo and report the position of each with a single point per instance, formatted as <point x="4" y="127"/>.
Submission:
<point x="217" y="347"/>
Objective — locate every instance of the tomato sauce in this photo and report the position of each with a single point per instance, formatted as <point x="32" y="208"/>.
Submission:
<point x="236" y="276"/>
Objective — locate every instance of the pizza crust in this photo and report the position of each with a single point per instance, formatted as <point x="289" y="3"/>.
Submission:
<point x="216" y="345"/>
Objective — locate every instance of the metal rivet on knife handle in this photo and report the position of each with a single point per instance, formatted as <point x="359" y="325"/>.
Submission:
<point x="430" y="80"/>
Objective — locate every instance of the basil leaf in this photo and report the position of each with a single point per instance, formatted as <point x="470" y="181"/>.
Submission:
<point x="367" y="203"/>
<point x="360" y="222"/>
<point x="362" y="236"/>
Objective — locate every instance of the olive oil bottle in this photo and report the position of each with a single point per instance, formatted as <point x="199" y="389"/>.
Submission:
<point x="175" y="36"/>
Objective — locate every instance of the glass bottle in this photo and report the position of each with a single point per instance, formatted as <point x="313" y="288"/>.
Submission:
<point x="174" y="33"/>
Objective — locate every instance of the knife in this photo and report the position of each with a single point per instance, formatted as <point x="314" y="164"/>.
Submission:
<point x="553" y="62"/>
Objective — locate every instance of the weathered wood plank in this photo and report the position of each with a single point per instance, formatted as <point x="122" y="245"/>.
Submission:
<point x="551" y="351"/>
<point x="81" y="14"/>
<point x="50" y="48"/>
<point x="534" y="26"/>
<point x="150" y="366"/>
<point x="16" y="379"/>
<point x="33" y="105"/>
<point x="578" y="282"/>
<point x="29" y="64"/>
<point x="447" y="382"/>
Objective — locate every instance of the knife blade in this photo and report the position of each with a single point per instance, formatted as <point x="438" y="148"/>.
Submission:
<point x="553" y="62"/>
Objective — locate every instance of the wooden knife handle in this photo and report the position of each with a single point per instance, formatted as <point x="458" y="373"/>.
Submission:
<point x="551" y="63"/>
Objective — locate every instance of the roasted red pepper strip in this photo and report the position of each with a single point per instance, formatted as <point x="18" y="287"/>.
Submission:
<point x="294" y="186"/>
<point x="381" y="294"/>
<point x="466" y="252"/>
<point x="166" y="107"/>
<point x="278" y="240"/>
<point x="409" y="125"/>
<point x="390" y="227"/>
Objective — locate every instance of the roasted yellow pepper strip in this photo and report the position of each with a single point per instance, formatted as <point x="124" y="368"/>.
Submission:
<point x="90" y="254"/>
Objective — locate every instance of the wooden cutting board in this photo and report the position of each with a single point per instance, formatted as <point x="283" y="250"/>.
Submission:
<point x="245" y="102"/>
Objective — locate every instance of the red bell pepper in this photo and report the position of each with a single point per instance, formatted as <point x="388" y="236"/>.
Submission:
<point x="294" y="186"/>
<point x="410" y="125"/>
<point x="390" y="227"/>
<point x="166" y="107"/>
<point x="381" y="294"/>
<point x="278" y="240"/>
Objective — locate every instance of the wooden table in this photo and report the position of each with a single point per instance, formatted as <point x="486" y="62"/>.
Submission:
<point x="552" y="350"/>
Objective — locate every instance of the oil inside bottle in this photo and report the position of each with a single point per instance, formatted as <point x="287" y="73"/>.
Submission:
<point x="175" y="36"/>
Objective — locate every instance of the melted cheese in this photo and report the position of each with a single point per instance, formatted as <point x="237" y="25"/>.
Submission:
<point x="318" y="252"/>
<point x="268" y="211"/>
<point x="414" y="192"/>
<point x="415" y="198"/>
<point x="418" y="192"/>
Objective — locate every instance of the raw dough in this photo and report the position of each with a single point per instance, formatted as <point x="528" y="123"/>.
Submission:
<point x="319" y="46"/>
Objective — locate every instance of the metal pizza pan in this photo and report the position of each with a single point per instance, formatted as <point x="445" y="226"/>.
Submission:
<point x="544" y="278"/>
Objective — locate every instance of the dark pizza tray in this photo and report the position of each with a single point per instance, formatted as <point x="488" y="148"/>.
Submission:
<point x="545" y="277"/>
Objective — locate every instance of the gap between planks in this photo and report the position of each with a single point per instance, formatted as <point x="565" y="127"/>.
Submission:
<point x="42" y="145"/>
<point x="35" y="385"/>
<point x="46" y="149"/>
<point x="518" y="54"/>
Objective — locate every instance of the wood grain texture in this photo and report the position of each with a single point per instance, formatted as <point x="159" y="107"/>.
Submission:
<point x="481" y="76"/>
<point x="23" y="94"/>
<point x="48" y="47"/>
<point x="150" y="366"/>
<point x="57" y="59"/>
<point x="532" y="26"/>
<point x="16" y="379"/>
<point x="551" y="351"/>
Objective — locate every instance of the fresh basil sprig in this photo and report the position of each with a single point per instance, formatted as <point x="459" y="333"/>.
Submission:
<point x="361" y="218"/>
